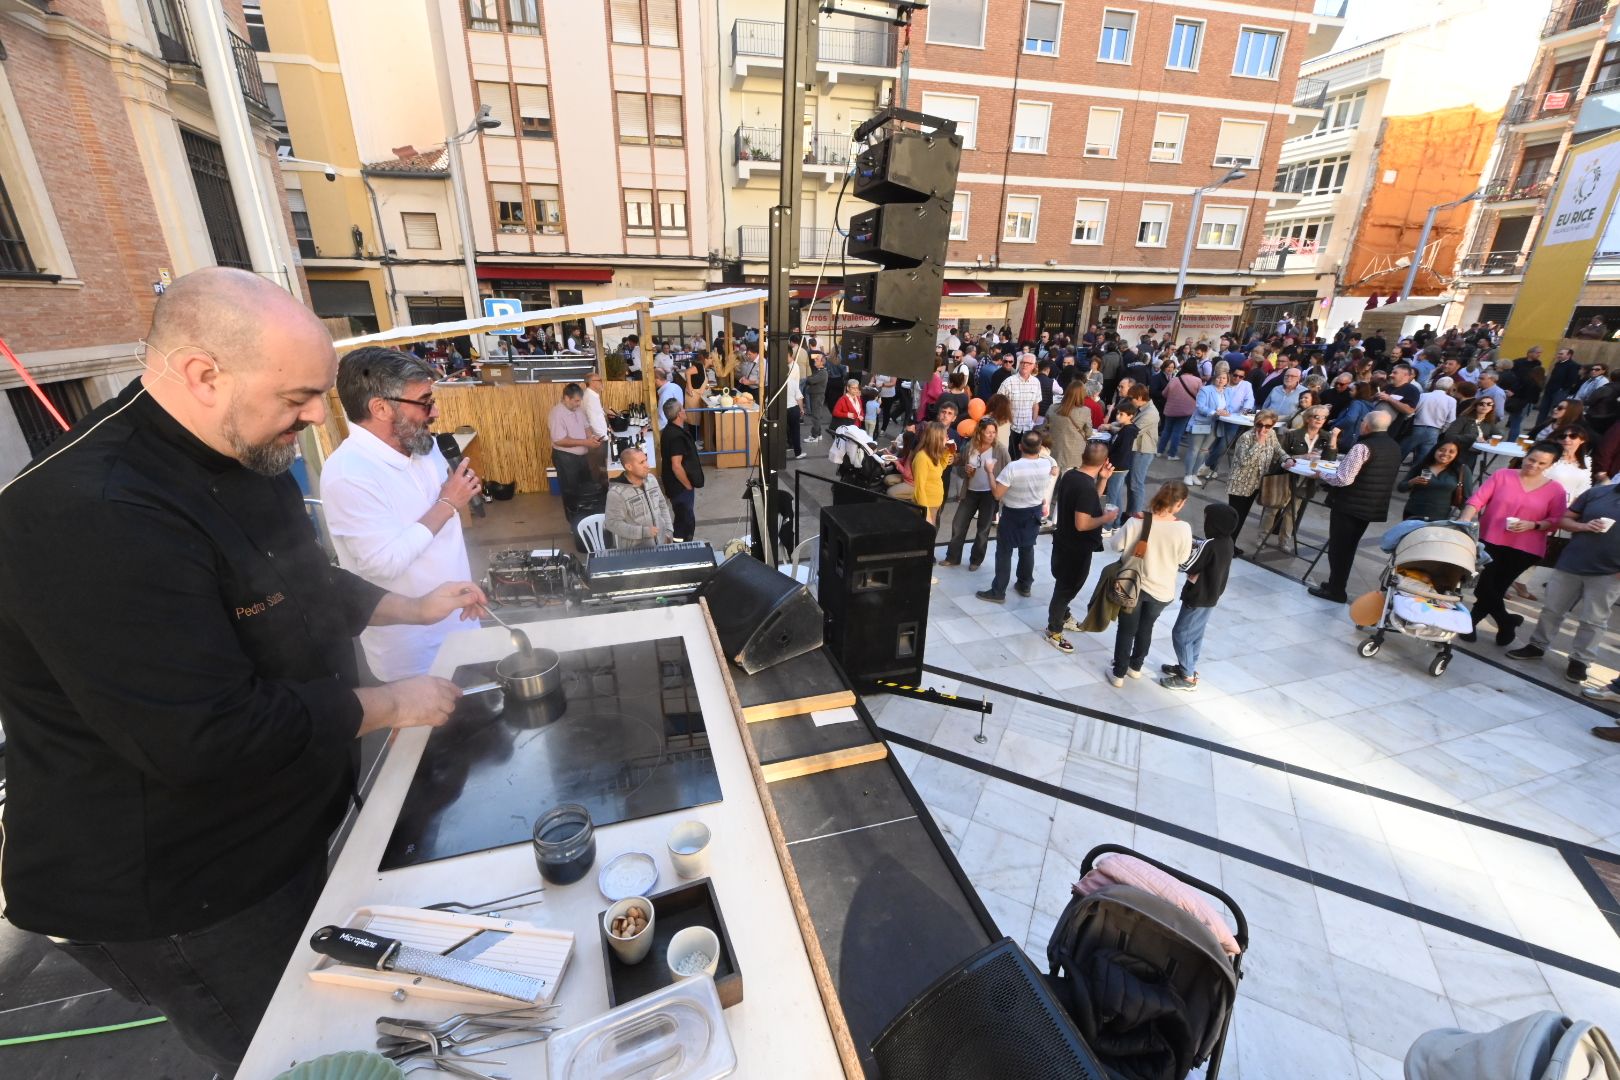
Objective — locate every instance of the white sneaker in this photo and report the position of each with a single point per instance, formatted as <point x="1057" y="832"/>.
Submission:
<point x="1113" y="680"/>
<point x="800" y="454"/>
<point x="1192" y="481"/>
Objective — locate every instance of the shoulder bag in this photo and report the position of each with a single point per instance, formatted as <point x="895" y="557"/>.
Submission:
<point x="1126" y="588"/>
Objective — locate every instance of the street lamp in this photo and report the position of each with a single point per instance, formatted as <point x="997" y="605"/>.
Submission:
<point x="1192" y="226"/>
<point x="1423" y="239"/>
<point x="452" y="145"/>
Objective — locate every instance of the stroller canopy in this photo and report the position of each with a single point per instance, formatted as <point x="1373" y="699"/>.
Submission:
<point x="1446" y="555"/>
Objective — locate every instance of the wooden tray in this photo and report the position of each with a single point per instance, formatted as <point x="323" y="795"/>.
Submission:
<point x="536" y="951"/>
<point x="673" y="910"/>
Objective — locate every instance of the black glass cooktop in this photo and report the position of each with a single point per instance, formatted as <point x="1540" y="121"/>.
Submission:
<point x="624" y="737"/>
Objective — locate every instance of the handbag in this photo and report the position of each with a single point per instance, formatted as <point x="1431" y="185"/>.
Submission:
<point x="1126" y="588"/>
<point x="1276" y="489"/>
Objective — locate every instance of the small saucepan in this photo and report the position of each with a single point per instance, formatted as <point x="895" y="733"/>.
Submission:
<point x="529" y="676"/>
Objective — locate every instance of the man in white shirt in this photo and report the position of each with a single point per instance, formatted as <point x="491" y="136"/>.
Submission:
<point x="793" y="389"/>
<point x="596" y="423"/>
<point x="1023" y="392"/>
<point x="748" y="371"/>
<point x="395" y="518"/>
<point x="1435" y="411"/>
<point x="952" y="341"/>
<point x="1024" y="488"/>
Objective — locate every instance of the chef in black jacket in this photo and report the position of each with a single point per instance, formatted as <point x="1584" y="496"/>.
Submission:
<point x="177" y="668"/>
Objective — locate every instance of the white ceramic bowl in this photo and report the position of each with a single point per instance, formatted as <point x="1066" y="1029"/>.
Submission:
<point x="689" y="848"/>
<point x="694" y="939"/>
<point x="630" y="950"/>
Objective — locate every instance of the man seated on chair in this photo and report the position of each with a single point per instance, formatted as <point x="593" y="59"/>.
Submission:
<point x="638" y="515"/>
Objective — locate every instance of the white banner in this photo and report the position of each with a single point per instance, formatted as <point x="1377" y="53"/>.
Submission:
<point x="1133" y="324"/>
<point x="1589" y="179"/>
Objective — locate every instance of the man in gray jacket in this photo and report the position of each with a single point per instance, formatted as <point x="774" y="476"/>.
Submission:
<point x="638" y="515"/>
<point x="815" y="396"/>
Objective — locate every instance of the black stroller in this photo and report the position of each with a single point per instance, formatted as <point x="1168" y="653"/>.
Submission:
<point x="1148" y="984"/>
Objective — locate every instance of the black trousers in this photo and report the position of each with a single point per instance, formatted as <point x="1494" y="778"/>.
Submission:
<point x="215" y="983"/>
<point x="1242" y="504"/>
<point x="794" y="417"/>
<point x="1067" y="578"/>
<point x="573" y="480"/>
<point x="974" y="504"/>
<point x="1490" y="590"/>
<point x="1344" y="536"/>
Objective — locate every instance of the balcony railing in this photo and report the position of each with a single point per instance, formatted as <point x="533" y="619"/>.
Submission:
<point x="1604" y="86"/>
<point x="1311" y="93"/>
<point x="1547" y="104"/>
<point x="1573" y="14"/>
<point x="754" y="242"/>
<point x="834" y="44"/>
<point x="1519" y="188"/>
<point x="765" y="144"/>
<point x="248" y="74"/>
<point x="1491" y="262"/>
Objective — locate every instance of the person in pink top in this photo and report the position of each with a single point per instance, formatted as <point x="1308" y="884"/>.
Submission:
<point x="1180" y="401"/>
<point x="1517" y="510"/>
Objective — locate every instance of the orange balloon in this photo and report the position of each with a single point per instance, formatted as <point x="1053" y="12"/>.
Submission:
<point x="976" y="408"/>
<point x="965" y="427"/>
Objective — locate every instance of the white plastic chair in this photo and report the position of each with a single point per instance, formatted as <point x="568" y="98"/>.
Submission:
<point x="590" y="532"/>
<point x="800" y="571"/>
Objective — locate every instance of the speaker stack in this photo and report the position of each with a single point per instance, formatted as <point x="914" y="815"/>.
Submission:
<point x="876" y="563"/>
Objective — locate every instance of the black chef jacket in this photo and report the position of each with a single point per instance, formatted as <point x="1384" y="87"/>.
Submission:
<point x="176" y="664"/>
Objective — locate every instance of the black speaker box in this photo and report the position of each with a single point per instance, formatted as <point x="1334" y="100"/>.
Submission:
<point x="908" y="166"/>
<point x="906" y="353"/>
<point x="901" y="232"/>
<point x="991" y="1017"/>
<point x="906" y="293"/>
<point x="876" y="562"/>
<point x="761" y="615"/>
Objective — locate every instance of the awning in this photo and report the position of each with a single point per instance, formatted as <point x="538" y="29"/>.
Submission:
<point x="544" y="273"/>
<point x="966" y="288"/>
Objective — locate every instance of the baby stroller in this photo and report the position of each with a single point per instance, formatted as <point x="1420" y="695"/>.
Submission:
<point x="1146" y="967"/>
<point x="855" y="454"/>
<point x="1429" y="564"/>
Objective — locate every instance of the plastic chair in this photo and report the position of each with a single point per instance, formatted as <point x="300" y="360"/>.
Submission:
<point x="590" y="532"/>
<point x="798" y="570"/>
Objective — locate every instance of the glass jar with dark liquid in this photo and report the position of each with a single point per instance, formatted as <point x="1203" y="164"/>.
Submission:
<point x="564" y="844"/>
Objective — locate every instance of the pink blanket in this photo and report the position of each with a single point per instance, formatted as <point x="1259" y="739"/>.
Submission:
<point x="1117" y="869"/>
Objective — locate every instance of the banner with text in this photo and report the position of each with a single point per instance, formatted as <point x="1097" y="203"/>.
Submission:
<point x="1562" y="255"/>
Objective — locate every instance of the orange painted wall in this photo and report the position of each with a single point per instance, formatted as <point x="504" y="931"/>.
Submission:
<point x="1436" y="157"/>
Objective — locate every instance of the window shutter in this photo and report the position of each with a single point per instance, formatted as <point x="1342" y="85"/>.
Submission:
<point x="956" y="22"/>
<point x="1169" y="130"/>
<point x="1029" y="127"/>
<point x="534" y="103"/>
<point x="421" y="230"/>
<point x="667" y="119"/>
<point x="1102" y="132"/>
<point x="1118" y="20"/>
<point x="1239" y="142"/>
<point x="632" y="118"/>
<point x="627" y="22"/>
<point x="1043" y="20"/>
<point x="963" y="110"/>
<point x="662" y="25"/>
<point x="498" y="96"/>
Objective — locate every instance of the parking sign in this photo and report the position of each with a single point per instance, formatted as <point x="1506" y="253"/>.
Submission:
<point x="503" y="305"/>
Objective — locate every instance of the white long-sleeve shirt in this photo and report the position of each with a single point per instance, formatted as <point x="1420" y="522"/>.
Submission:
<point x="373" y="496"/>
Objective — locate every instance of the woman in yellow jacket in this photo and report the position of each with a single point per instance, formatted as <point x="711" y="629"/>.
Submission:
<point x="928" y="464"/>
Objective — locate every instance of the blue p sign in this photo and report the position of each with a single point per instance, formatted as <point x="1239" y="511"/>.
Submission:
<point x="503" y="305"/>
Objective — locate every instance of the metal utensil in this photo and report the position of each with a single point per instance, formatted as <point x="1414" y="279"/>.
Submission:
<point x="486" y="906"/>
<point x="530" y="676"/>
<point x="520" y="640"/>
<point x="360" y="948"/>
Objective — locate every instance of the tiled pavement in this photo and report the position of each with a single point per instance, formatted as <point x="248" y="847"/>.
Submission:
<point x="1373" y="917"/>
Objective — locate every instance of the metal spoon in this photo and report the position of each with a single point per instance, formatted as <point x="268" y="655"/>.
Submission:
<point x="520" y="640"/>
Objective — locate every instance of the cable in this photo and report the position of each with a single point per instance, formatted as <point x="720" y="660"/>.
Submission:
<point x="23" y="1040"/>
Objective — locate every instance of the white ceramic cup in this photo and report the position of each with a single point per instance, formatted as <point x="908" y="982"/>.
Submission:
<point x="1512" y="520"/>
<point x="1606" y="522"/>
<point x="630" y="950"/>
<point x="689" y="848"/>
<point x="694" y="939"/>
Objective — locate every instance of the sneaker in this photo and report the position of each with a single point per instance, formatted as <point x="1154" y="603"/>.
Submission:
<point x="1022" y="590"/>
<point x="1073" y="625"/>
<point x="1192" y="481"/>
<point x="801" y="454"/>
<point x="1135" y="672"/>
<point x="1060" y="643"/>
<point x="1205" y="472"/>
<point x="994" y="598"/>
<point x="1178" y="682"/>
<point x="1119" y="680"/>
<point x="1170" y="669"/>
<point x="949" y="562"/>
<point x="1529" y="652"/>
<point x="1602" y="693"/>
<point x="1575" y="672"/>
<point x="813" y="438"/>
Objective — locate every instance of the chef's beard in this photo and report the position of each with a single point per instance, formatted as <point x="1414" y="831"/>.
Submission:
<point x="270" y="458"/>
<point x="413" y="436"/>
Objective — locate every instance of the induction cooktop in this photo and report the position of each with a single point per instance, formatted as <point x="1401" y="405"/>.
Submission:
<point x="624" y="737"/>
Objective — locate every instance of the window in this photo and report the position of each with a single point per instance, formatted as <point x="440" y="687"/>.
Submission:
<point x="1535" y="165"/>
<point x="302" y="232"/>
<point x="964" y="110"/>
<point x="218" y="202"/>
<point x="253" y="17"/>
<point x="1304" y="236"/>
<point x="956" y="22"/>
<point x="421" y="230"/>
<point x="1341" y="112"/>
<point x="39" y="427"/>
<point x="1169" y="134"/>
<point x="1186" y="38"/>
<point x="548" y="214"/>
<point x="1089" y="217"/>
<point x="1607" y="76"/>
<point x="1153" y="225"/>
<point x="498" y="96"/>
<point x="627" y="22"/>
<point x="632" y="118"/>
<point x="672" y="213"/>
<point x="638" y="212"/>
<point x="1323" y="176"/>
<point x="278" y="116"/>
<point x="534" y="111"/>
<point x="1567" y="75"/>
<point x="1023" y="212"/>
<point x="1117" y="28"/>
<point x="1031" y="121"/>
<point x="663" y="28"/>
<point x="14" y="256"/>
<point x="523" y="16"/>
<point x="1041" y="27"/>
<point x="483" y="14"/>
<point x="959" y="215"/>
<point x="1222" y="227"/>
<point x="1258" y="53"/>
<point x="1239" y="143"/>
<point x="666" y="114"/>
<point x="1102" y="132"/>
<point x="509" y="207"/>
<point x="650" y="22"/>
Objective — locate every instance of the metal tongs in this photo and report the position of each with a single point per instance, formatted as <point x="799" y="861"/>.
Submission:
<point x="409" y="1041"/>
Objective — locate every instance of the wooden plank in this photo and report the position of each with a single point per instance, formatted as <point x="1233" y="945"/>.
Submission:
<point x="513" y="423"/>
<point x="806" y="683"/>
<point x="819" y="763"/>
<point x="848" y="1056"/>
<point x="775" y="710"/>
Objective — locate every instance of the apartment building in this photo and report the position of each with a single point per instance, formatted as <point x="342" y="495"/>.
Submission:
<point x="1088" y="128"/>
<point x="1403" y="128"/>
<point x="113" y="180"/>
<point x="595" y="183"/>
<point x="372" y="214"/>
<point x="1567" y="94"/>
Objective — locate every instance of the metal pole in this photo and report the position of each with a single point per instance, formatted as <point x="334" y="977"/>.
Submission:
<point x="1417" y="256"/>
<point x="1186" y="248"/>
<point x="469" y="254"/>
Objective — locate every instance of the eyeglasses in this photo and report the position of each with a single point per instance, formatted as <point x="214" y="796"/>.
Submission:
<point x="1264" y="427"/>
<point x="425" y="404"/>
<point x="1571" y="435"/>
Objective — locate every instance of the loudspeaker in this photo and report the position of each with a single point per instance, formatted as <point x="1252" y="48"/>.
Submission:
<point x="761" y="615"/>
<point x="876" y="562"/>
<point x="992" y="1016"/>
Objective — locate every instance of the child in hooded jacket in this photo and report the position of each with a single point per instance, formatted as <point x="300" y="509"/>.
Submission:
<point x="1206" y="581"/>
